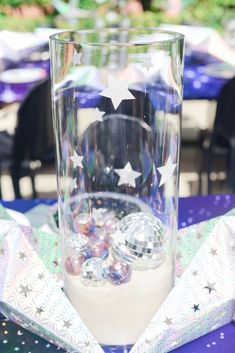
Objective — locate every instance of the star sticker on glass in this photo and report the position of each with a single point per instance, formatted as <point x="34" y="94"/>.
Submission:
<point x="127" y="175"/>
<point x="25" y="290"/>
<point x="67" y="324"/>
<point x="168" y="321"/>
<point x="117" y="91"/>
<point x="166" y="171"/>
<point x="22" y="256"/>
<point x="147" y="64"/>
<point x="196" y="307"/>
<point x="210" y="287"/>
<point x="97" y="115"/>
<point x="77" y="160"/>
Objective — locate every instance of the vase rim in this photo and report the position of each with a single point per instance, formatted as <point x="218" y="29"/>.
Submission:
<point x="164" y="37"/>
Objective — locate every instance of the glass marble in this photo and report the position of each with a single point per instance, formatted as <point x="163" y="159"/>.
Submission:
<point x="84" y="224"/>
<point x="119" y="272"/>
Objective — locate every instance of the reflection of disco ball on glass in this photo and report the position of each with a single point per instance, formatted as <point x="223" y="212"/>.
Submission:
<point x="141" y="241"/>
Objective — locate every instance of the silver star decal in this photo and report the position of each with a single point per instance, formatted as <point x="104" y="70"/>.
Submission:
<point x="22" y="256"/>
<point x="74" y="184"/>
<point x="77" y="160"/>
<point x="97" y="115"/>
<point x="166" y="172"/>
<point x="168" y="321"/>
<point x="127" y="175"/>
<point x="147" y="64"/>
<point x="213" y="252"/>
<point x="117" y="91"/>
<point x="67" y="324"/>
<point x="210" y="287"/>
<point x="39" y="310"/>
<point x="25" y="290"/>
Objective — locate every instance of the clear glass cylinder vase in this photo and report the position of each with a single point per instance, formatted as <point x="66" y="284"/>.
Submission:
<point x="117" y="101"/>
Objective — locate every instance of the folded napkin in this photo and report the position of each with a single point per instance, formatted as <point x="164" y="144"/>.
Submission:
<point x="202" y="300"/>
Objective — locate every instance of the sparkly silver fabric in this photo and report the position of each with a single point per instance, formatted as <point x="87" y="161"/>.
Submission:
<point x="142" y="242"/>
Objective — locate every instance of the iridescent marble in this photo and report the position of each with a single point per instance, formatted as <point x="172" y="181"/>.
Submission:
<point x="119" y="272"/>
<point x="94" y="272"/>
<point x="84" y="223"/>
<point x="98" y="248"/>
<point x="111" y="225"/>
<point x="142" y="241"/>
<point x="73" y="266"/>
<point x="78" y="242"/>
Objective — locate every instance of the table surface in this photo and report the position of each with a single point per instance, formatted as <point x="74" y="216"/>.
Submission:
<point x="191" y="211"/>
<point x="204" y="77"/>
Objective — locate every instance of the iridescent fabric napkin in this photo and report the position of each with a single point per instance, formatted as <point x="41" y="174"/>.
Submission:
<point x="31" y="296"/>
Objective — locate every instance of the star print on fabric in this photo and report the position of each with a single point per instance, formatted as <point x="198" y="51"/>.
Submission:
<point x="39" y="310"/>
<point x="213" y="252"/>
<point x="117" y="91"/>
<point x="22" y="256"/>
<point x="41" y="276"/>
<point x="166" y="172"/>
<point x="147" y="64"/>
<point x="77" y="160"/>
<point x="127" y="175"/>
<point x="67" y="324"/>
<point x="210" y="287"/>
<point x="25" y="290"/>
<point x="195" y="273"/>
<point x="97" y="115"/>
<point x="168" y="321"/>
<point x="74" y="184"/>
<point x="196" y="307"/>
<point x="199" y="236"/>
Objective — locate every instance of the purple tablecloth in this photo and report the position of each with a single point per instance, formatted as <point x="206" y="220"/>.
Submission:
<point x="191" y="210"/>
<point x="198" y="83"/>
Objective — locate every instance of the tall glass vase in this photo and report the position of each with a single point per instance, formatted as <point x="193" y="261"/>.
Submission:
<point x="117" y="101"/>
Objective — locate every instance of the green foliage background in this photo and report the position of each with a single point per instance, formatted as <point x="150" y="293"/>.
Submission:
<point x="213" y="13"/>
